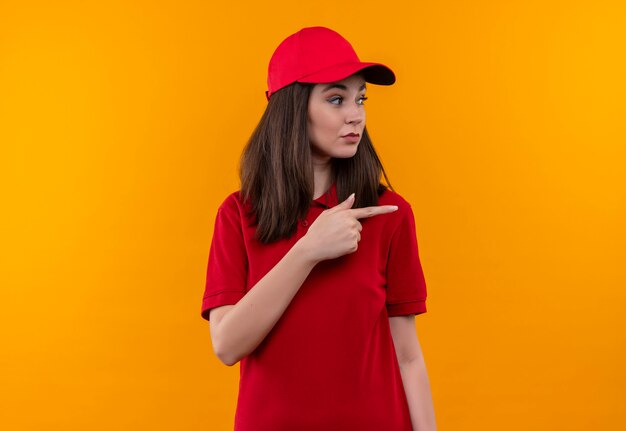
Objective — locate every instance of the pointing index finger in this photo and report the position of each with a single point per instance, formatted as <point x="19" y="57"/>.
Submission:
<point x="372" y="211"/>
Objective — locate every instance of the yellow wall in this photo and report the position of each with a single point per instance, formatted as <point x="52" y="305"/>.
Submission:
<point x="121" y="124"/>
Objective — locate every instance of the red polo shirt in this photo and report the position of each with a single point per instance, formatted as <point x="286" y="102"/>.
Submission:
<point x="329" y="362"/>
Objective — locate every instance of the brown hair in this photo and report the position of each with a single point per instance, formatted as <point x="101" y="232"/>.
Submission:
<point x="276" y="168"/>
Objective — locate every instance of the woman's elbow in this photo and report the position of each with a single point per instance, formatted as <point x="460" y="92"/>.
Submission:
<point x="225" y="355"/>
<point x="224" y="351"/>
<point x="226" y="358"/>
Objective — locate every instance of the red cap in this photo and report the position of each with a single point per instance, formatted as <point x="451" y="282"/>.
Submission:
<point x="319" y="55"/>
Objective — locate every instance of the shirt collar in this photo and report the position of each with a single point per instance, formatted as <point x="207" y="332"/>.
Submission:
<point x="328" y="199"/>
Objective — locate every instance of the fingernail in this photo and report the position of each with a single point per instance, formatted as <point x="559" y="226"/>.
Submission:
<point x="395" y="207"/>
<point x="351" y="196"/>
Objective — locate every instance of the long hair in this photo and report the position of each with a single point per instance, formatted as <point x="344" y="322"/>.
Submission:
<point x="276" y="168"/>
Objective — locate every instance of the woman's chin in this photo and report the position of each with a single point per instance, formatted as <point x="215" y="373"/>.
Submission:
<point x="346" y="153"/>
<point x="337" y="153"/>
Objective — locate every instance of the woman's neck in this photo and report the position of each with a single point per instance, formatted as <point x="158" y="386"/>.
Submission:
<point x="322" y="178"/>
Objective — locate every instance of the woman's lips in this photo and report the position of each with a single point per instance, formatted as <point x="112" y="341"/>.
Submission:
<point x="351" y="137"/>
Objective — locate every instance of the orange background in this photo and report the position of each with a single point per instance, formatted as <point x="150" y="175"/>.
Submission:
<point x="121" y="124"/>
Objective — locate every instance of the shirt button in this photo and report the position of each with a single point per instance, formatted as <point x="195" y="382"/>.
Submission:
<point x="305" y="223"/>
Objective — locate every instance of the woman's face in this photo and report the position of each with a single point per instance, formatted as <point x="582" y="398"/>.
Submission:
<point x="336" y="110"/>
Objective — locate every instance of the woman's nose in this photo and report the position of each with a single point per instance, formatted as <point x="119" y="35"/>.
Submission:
<point x="356" y="114"/>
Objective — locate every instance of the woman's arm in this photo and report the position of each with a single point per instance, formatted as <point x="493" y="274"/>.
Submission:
<point x="413" y="370"/>
<point x="236" y="330"/>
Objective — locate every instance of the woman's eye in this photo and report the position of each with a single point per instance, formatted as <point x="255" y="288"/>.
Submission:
<point x="339" y="100"/>
<point x="335" y="99"/>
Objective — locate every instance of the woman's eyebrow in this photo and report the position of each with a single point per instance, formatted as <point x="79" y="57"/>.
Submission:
<point x="341" y="86"/>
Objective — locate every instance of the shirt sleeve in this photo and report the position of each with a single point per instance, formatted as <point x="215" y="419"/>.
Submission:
<point x="227" y="268"/>
<point x="406" y="286"/>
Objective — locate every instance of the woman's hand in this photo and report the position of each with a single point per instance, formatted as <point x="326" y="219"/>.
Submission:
<point x="337" y="231"/>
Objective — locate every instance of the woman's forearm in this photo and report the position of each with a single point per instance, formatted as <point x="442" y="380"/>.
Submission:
<point x="419" y="397"/>
<point x="243" y="328"/>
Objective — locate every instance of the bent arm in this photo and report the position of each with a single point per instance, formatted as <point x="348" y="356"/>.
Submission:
<point x="413" y="371"/>
<point x="236" y="330"/>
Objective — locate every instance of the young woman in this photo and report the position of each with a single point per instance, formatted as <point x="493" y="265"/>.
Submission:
<point x="314" y="278"/>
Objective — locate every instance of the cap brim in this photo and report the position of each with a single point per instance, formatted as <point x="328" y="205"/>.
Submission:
<point x="376" y="73"/>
